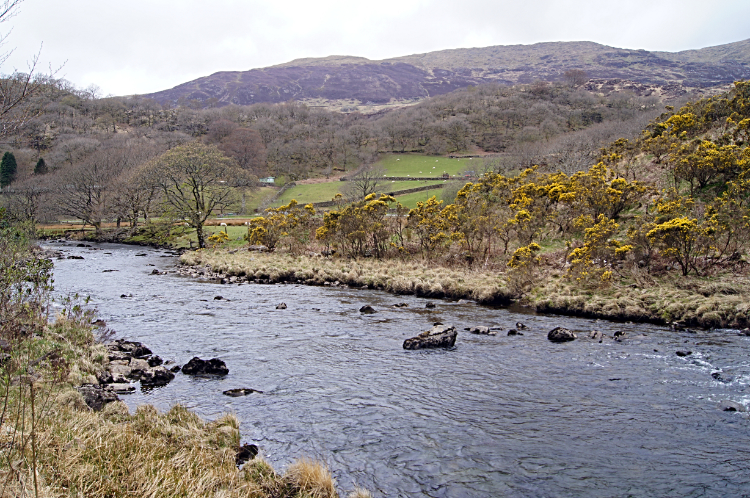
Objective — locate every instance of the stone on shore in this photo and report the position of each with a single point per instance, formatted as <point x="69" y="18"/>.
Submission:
<point x="97" y="396"/>
<point x="245" y="453"/>
<point x="156" y="376"/>
<point x="439" y="336"/>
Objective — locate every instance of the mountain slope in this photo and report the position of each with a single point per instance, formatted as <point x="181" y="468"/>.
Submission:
<point x="414" y="77"/>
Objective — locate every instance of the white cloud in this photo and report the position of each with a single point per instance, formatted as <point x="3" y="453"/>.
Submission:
<point x="142" y="46"/>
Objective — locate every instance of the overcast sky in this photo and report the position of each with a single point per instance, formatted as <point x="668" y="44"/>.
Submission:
<point x="141" y="46"/>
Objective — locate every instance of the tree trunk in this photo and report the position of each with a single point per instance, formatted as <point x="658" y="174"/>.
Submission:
<point x="199" y="234"/>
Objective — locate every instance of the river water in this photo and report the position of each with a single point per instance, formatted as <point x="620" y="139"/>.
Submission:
<point x="494" y="416"/>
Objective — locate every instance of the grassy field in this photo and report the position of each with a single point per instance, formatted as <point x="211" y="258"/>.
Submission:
<point x="410" y="200"/>
<point x="321" y="192"/>
<point x="421" y="165"/>
<point x="253" y="200"/>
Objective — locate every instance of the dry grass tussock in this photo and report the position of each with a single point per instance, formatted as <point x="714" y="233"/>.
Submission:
<point x="398" y="277"/>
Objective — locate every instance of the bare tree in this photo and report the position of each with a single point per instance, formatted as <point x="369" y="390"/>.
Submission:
<point x="84" y="192"/>
<point x="367" y="181"/>
<point x="194" y="180"/>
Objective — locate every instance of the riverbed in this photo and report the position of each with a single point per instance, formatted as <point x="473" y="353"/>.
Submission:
<point x="493" y="416"/>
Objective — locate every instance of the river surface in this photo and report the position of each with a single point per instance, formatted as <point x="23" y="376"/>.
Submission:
<point x="494" y="416"/>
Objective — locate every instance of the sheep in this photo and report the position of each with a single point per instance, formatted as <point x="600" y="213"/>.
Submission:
<point x="222" y="224"/>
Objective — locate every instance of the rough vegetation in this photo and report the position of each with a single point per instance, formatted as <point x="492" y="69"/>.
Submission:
<point x="649" y="232"/>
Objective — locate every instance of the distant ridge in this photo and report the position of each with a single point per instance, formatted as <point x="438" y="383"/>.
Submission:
<point x="410" y="78"/>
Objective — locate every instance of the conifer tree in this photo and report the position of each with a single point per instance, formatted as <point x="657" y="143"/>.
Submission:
<point x="7" y="169"/>
<point x="41" y="167"/>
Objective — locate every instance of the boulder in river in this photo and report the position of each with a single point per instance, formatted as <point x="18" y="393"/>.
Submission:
<point x="281" y="306"/>
<point x="367" y="309"/>
<point x="560" y="334"/>
<point x="682" y="354"/>
<point x="512" y="332"/>
<point x="439" y="336"/>
<point x="520" y="326"/>
<point x="429" y="305"/>
<point x="214" y="366"/>
<point x="97" y="396"/>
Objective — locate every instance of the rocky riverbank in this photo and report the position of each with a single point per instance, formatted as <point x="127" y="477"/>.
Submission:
<point x="720" y="301"/>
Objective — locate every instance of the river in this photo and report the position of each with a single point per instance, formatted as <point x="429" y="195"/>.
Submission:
<point x="494" y="416"/>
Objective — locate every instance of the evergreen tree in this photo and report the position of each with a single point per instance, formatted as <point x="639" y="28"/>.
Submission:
<point x="7" y="169"/>
<point x="41" y="167"/>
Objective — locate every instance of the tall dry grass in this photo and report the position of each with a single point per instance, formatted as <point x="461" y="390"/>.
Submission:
<point x="396" y="276"/>
<point x="723" y="300"/>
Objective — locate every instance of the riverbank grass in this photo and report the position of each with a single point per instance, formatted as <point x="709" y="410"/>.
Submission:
<point x="394" y="276"/>
<point x="52" y="444"/>
<point x="721" y="300"/>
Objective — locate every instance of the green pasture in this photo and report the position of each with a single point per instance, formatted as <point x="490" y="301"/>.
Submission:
<point x="410" y="200"/>
<point x="421" y="165"/>
<point x="322" y="192"/>
<point x="253" y="200"/>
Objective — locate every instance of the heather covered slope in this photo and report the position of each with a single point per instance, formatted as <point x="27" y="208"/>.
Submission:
<point x="419" y="76"/>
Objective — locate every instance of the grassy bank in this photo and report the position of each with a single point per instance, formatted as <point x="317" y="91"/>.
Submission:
<point x="52" y="444"/>
<point x="392" y="276"/>
<point x="723" y="300"/>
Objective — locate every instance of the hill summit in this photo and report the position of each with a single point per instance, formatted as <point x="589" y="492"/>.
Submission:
<point x="357" y="80"/>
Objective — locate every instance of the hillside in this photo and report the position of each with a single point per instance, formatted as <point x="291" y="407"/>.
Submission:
<point x="356" y="80"/>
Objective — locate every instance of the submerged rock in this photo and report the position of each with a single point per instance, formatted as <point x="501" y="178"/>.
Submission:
<point x="731" y="406"/>
<point x="244" y="391"/>
<point x="439" y="336"/>
<point x="560" y="334"/>
<point x="281" y="306"/>
<point x="429" y="305"/>
<point x="596" y="335"/>
<point x="512" y="332"/>
<point x="682" y="354"/>
<point x="481" y="330"/>
<point x="214" y="366"/>
<point x="367" y="309"/>
<point x="122" y="387"/>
